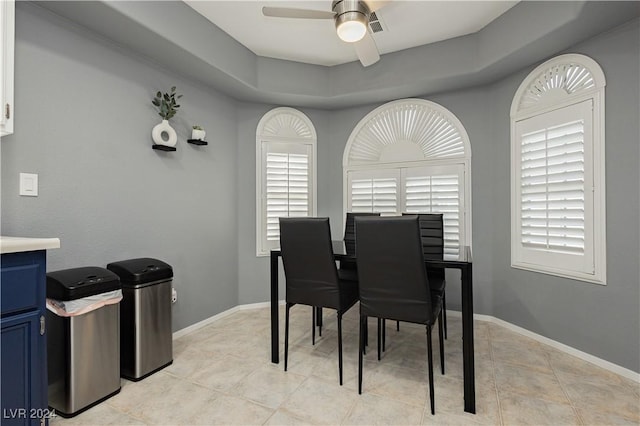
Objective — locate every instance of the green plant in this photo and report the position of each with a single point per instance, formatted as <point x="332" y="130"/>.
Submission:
<point x="196" y="127"/>
<point x="166" y="103"/>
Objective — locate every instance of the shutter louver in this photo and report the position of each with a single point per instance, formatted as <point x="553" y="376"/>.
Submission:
<point x="552" y="181"/>
<point x="437" y="194"/>
<point x="374" y="195"/>
<point x="287" y="189"/>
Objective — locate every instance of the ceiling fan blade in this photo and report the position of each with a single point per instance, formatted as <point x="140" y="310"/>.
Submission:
<point x="287" y="12"/>
<point x="376" y="4"/>
<point x="367" y="50"/>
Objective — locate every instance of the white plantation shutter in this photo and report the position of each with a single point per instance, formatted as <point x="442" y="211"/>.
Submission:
<point x="554" y="189"/>
<point x="437" y="190"/>
<point x="558" y="200"/>
<point x="285" y="173"/>
<point x="287" y="189"/>
<point x="374" y="192"/>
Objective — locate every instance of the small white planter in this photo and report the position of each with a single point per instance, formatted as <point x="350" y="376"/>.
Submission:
<point x="164" y="129"/>
<point x="198" y="134"/>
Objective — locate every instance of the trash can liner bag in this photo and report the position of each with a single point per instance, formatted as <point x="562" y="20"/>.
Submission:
<point x="71" y="308"/>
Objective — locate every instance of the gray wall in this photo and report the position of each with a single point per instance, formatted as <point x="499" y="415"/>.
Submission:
<point x="601" y="320"/>
<point x="83" y="123"/>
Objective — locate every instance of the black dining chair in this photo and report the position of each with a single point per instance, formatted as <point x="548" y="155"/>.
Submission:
<point x="348" y="267"/>
<point x="393" y="280"/>
<point x="311" y="274"/>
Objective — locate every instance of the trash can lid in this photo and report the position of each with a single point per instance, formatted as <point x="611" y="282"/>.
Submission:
<point x="134" y="272"/>
<point x="76" y="283"/>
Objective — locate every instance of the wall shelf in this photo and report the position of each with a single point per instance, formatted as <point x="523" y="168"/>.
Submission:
<point x="163" y="147"/>
<point x="197" y="142"/>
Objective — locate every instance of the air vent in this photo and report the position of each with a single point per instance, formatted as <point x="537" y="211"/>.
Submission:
<point x="375" y="24"/>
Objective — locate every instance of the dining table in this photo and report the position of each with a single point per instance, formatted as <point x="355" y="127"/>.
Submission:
<point x="461" y="260"/>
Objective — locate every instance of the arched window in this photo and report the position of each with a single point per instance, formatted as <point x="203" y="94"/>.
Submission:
<point x="557" y="170"/>
<point x="411" y="156"/>
<point x="285" y="173"/>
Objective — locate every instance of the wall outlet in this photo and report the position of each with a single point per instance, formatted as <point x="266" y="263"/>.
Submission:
<point x="174" y="295"/>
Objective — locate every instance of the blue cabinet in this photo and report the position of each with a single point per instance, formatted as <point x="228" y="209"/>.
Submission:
<point x="23" y="346"/>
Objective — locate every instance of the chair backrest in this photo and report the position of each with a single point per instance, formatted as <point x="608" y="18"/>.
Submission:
<point x="350" y="235"/>
<point x="431" y="234"/>
<point x="392" y="275"/>
<point x="309" y="267"/>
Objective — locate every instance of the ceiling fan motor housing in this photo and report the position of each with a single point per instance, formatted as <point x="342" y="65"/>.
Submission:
<point x="350" y="10"/>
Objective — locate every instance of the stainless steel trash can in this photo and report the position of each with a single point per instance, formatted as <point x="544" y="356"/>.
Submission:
<point x="146" y="339"/>
<point x="83" y="351"/>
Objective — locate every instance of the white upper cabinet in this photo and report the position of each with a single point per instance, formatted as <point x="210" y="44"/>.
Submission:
<point x="7" y="38"/>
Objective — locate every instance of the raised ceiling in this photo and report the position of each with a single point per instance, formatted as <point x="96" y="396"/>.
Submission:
<point x="176" y="37"/>
<point x="405" y="24"/>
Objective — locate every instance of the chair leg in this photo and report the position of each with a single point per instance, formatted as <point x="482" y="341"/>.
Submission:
<point x="441" y="341"/>
<point x="397" y="325"/>
<point x="444" y="312"/>
<point x="286" y="336"/>
<point x="379" y="337"/>
<point x="430" y="359"/>
<point x="313" y="325"/>
<point x="384" y="334"/>
<point x="361" y="350"/>
<point x="340" y="346"/>
<point x="319" y="320"/>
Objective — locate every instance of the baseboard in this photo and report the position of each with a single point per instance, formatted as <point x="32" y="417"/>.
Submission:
<point x="599" y="362"/>
<point x="614" y="368"/>
<point x="205" y="322"/>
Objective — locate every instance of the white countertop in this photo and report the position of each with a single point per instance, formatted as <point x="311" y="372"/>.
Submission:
<point x="18" y="244"/>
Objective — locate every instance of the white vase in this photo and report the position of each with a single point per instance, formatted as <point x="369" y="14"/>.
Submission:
<point x="164" y="128"/>
<point x="198" y="134"/>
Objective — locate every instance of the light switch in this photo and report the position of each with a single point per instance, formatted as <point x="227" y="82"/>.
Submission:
<point x="29" y="184"/>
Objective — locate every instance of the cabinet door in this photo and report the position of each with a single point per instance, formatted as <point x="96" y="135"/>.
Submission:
<point x="7" y="40"/>
<point x="23" y="399"/>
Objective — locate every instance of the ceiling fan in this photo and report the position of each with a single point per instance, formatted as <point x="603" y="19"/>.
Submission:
<point x="351" y="18"/>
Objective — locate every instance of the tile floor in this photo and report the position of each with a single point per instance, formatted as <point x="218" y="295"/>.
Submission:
<point x="222" y="374"/>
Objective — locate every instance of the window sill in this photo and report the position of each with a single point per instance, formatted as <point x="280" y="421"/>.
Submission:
<point x="594" y="279"/>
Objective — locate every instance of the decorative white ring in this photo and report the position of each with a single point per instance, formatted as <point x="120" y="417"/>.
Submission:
<point x="159" y="129"/>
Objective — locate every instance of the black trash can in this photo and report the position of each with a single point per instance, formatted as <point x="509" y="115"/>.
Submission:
<point x="146" y="339"/>
<point x="83" y="338"/>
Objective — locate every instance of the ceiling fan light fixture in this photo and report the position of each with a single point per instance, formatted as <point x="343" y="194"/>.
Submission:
<point x="351" y="31"/>
<point x="351" y="18"/>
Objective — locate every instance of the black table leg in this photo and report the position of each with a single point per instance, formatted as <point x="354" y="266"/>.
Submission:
<point x="467" y="340"/>
<point x="275" y="330"/>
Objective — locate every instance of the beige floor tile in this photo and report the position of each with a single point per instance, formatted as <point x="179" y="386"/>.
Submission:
<point x="284" y="418"/>
<point x="321" y="402"/>
<point x="174" y="405"/>
<point x="223" y="373"/>
<point x="592" y="417"/>
<point x="374" y="410"/>
<point x="515" y="380"/>
<point x="189" y="361"/>
<point x="101" y="414"/>
<point x="268" y="386"/>
<point x="522" y="410"/>
<point x="134" y="394"/>
<point x="528" y="354"/>
<point x="229" y="410"/>
<point x="586" y="393"/>
<point x="400" y="384"/>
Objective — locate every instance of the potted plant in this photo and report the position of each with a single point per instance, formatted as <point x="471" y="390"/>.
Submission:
<point x="198" y="133"/>
<point x="167" y="106"/>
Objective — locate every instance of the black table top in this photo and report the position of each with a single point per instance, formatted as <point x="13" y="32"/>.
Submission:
<point x="342" y="251"/>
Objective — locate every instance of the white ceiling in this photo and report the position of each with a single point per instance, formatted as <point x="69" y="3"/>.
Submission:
<point x="406" y="24"/>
